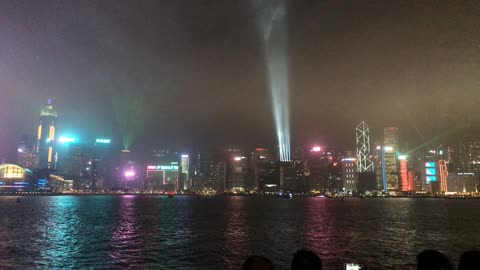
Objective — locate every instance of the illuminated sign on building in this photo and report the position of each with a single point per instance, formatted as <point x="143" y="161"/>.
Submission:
<point x="430" y="172"/>
<point x="388" y="149"/>
<point x="42" y="183"/>
<point x="63" y="139"/>
<point x="100" y="140"/>
<point x="129" y="174"/>
<point x="163" y="168"/>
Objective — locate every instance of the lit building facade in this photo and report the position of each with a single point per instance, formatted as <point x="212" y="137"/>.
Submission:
<point x="76" y="163"/>
<point x="389" y="160"/>
<point x="237" y="170"/>
<point x="318" y="161"/>
<point x="46" y="137"/>
<point x="405" y="185"/>
<point x="364" y="162"/>
<point x="14" y="178"/>
<point x="443" y="173"/>
<point x="349" y="173"/>
<point x="205" y="172"/>
<point x="378" y="165"/>
<point x="261" y="165"/>
<point x="26" y="153"/>
<point x="462" y="182"/>
<point x="185" y="165"/>
<point x="162" y="178"/>
<point x="431" y="173"/>
<point x="220" y="176"/>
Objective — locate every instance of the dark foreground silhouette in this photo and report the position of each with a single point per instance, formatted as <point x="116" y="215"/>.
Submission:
<point x="426" y="260"/>
<point x="306" y="259"/>
<point x="257" y="263"/>
<point x="470" y="260"/>
<point x="433" y="260"/>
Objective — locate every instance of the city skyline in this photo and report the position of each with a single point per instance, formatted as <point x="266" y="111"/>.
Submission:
<point x="74" y="136"/>
<point x="103" y="164"/>
<point x="213" y="134"/>
<point x="357" y="72"/>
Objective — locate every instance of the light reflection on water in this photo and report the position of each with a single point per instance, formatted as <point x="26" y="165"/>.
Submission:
<point x="236" y="234"/>
<point x="126" y="242"/>
<point x="149" y="232"/>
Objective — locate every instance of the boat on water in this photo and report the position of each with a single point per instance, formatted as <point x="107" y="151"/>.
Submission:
<point x="285" y="194"/>
<point x="321" y="196"/>
<point x="170" y="194"/>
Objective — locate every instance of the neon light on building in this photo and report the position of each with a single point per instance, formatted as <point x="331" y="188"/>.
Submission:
<point x="362" y="133"/>
<point x="129" y="174"/>
<point x="443" y="175"/>
<point x="101" y="140"/>
<point x="411" y="181"/>
<point x="63" y="139"/>
<point x="169" y="175"/>
<point x="51" y="134"/>
<point x="50" y="152"/>
<point x="39" y="134"/>
<point x="404" y="175"/>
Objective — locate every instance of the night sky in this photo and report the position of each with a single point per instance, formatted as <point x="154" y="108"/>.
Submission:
<point x="193" y="72"/>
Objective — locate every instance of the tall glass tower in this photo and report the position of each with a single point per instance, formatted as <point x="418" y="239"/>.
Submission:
<point x="389" y="158"/>
<point x="46" y="137"/>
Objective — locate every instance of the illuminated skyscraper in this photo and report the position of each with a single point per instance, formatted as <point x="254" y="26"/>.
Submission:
<point x="185" y="163"/>
<point x="46" y="137"/>
<point x="405" y="179"/>
<point x="362" y="132"/>
<point x="349" y="173"/>
<point x="389" y="158"/>
<point x="319" y="160"/>
<point x="443" y="175"/>
<point x="260" y="164"/>
<point x="236" y="170"/>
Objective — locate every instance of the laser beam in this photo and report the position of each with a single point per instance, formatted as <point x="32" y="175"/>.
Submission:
<point x="272" y="16"/>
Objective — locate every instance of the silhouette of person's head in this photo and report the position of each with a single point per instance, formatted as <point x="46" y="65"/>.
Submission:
<point x="433" y="260"/>
<point x="255" y="262"/>
<point x="470" y="260"/>
<point x="306" y="260"/>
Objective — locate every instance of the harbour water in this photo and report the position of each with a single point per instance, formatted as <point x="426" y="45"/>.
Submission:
<point x="187" y="232"/>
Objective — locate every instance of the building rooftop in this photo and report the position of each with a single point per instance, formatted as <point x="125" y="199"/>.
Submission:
<point x="49" y="111"/>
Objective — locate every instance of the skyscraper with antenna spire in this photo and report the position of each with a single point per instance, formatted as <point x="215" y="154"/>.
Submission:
<point x="46" y="137"/>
